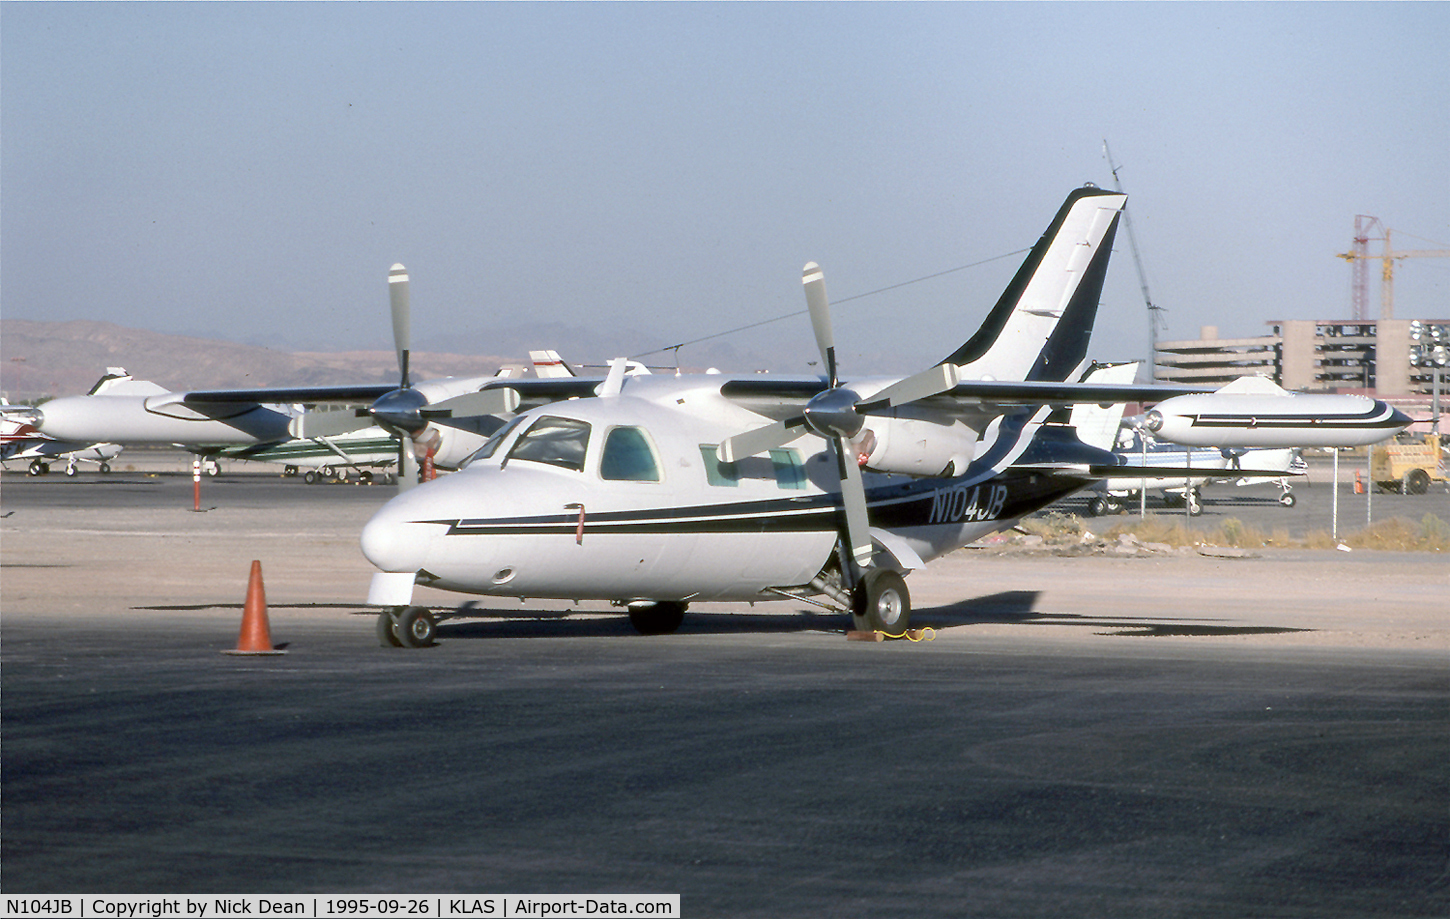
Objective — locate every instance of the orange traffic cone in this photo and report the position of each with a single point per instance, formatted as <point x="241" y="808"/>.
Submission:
<point x="256" y="637"/>
<point x="1358" y="484"/>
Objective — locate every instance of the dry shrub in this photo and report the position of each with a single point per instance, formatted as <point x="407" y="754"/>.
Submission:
<point x="1397" y="534"/>
<point x="1234" y="532"/>
<point x="1053" y="524"/>
<point x="1157" y="528"/>
<point x="1400" y="535"/>
<point x="1318" y="539"/>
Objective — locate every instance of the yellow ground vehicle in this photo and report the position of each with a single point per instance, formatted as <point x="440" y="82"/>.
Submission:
<point x="1408" y="464"/>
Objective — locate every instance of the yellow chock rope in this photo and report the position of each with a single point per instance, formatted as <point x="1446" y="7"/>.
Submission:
<point x="926" y="634"/>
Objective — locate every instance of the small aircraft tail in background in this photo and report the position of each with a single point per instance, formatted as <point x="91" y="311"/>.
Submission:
<point x="548" y="365"/>
<point x="1096" y="425"/>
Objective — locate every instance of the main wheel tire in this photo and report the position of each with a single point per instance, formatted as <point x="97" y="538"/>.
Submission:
<point x="415" y="627"/>
<point x="1195" y="505"/>
<point x="660" y="618"/>
<point x="881" y="603"/>
<point x="1287" y="499"/>
<point x="1417" y="482"/>
<point x="1097" y="507"/>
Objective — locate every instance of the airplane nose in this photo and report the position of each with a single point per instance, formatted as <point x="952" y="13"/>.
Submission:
<point x="394" y="542"/>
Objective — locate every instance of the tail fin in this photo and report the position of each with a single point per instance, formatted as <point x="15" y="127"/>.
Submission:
<point x="549" y="365"/>
<point x="1098" y="426"/>
<point x="1040" y="327"/>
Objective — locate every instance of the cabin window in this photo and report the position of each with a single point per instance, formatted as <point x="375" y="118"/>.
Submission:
<point x="628" y="457"/>
<point x="789" y="472"/>
<point x="716" y="472"/>
<point x="556" y="441"/>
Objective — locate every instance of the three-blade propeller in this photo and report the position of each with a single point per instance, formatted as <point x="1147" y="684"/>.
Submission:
<point x="837" y="414"/>
<point x="405" y="412"/>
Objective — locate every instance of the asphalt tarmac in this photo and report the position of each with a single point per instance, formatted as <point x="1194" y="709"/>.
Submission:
<point x="1157" y="736"/>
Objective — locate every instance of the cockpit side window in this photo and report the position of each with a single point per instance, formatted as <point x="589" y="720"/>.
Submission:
<point x="556" y="441"/>
<point x="627" y="457"/>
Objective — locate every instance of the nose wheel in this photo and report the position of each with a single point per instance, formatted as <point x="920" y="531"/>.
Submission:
<point x="408" y="627"/>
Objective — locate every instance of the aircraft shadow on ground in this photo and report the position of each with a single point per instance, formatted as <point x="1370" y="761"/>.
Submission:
<point x="1019" y="607"/>
<point x="599" y="624"/>
<point x="1014" y="607"/>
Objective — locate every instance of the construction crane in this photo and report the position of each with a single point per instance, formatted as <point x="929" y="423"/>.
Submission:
<point x="1153" y="309"/>
<point x="1359" y="257"/>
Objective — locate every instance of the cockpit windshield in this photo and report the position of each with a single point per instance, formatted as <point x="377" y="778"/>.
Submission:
<point x="556" y="441"/>
<point x="490" y="446"/>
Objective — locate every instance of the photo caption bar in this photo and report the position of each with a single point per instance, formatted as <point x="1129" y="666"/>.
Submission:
<point x="431" y="906"/>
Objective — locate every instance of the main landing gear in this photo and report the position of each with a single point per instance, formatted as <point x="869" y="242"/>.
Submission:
<point x="881" y="603"/>
<point x="657" y="617"/>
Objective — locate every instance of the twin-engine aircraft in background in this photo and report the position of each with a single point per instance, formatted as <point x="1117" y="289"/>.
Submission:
<point x="273" y="425"/>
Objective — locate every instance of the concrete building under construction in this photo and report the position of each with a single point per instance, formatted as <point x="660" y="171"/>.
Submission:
<point x="1394" y="358"/>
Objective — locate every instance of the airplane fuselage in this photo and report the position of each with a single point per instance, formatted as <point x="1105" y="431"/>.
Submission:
<point x="143" y="419"/>
<point x="624" y="498"/>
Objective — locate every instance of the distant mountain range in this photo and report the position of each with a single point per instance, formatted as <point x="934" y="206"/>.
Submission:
<point x="47" y="359"/>
<point x="42" y="359"/>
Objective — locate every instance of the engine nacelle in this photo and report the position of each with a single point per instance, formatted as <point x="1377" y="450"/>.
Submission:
<point x="912" y="446"/>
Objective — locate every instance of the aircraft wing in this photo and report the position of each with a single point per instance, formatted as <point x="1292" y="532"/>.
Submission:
<point x="360" y="394"/>
<point x="783" y="397"/>
<point x="534" y="392"/>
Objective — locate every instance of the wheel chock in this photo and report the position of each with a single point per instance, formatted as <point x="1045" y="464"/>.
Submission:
<point x="256" y="636"/>
<point x="925" y="634"/>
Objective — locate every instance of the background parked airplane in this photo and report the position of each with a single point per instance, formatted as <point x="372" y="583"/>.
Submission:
<point x="19" y="440"/>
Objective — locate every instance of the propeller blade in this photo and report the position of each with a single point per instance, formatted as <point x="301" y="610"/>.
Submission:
<point x="407" y="464"/>
<point x="814" y="280"/>
<point x="398" y="295"/>
<point x="760" y="440"/>
<point x="853" y="499"/>
<point x="498" y="401"/>
<point x="328" y="424"/>
<point x="931" y="382"/>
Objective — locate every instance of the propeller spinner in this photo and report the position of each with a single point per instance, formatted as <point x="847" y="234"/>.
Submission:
<point x="405" y="412"/>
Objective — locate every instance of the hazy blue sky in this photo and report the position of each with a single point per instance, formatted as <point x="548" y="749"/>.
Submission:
<point x="251" y="170"/>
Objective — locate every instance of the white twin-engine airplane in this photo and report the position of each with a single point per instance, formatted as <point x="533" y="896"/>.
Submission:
<point x="657" y="491"/>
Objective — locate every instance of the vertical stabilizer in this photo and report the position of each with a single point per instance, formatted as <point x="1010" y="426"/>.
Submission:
<point x="1040" y="327"/>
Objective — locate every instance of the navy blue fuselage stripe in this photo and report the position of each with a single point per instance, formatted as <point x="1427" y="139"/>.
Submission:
<point x="916" y="504"/>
